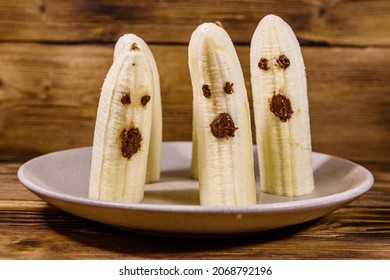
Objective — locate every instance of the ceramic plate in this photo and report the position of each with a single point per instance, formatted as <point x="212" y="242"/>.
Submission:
<point x="171" y="206"/>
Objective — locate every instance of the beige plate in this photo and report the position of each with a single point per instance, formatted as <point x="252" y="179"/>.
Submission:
<point x="171" y="205"/>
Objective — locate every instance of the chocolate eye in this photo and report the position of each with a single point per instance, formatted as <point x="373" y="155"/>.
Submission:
<point x="283" y="61"/>
<point x="125" y="99"/>
<point x="206" y="91"/>
<point x="145" y="99"/>
<point x="228" y="88"/>
<point x="263" y="64"/>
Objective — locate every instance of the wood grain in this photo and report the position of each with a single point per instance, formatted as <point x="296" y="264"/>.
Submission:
<point x="55" y="54"/>
<point x="341" y="22"/>
<point x="31" y="229"/>
<point x="49" y="96"/>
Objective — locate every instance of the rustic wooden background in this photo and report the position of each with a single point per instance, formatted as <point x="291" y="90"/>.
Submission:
<point x="54" y="56"/>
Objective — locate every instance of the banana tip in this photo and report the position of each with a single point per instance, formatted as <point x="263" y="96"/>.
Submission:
<point x="218" y="23"/>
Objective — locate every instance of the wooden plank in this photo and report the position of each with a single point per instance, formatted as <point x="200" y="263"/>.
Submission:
<point x="10" y="192"/>
<point x="51" y="234"/>
<point x="31" y="229"/>
<point x="35" y="230"/>
<point x="49" y="96"/>
<point x="364" y="22"/>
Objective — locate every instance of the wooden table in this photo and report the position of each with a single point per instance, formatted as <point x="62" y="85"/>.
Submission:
<point x="55" y="54"/>
<point x="32" y="229"/>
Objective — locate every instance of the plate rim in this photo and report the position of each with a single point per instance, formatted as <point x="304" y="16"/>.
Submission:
<point x="311" y="203"/>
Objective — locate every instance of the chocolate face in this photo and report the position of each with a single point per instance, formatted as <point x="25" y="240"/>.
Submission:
<point x="223" y="126"/>
<point x="280" y="105"/>
<point x="131" y="142"/>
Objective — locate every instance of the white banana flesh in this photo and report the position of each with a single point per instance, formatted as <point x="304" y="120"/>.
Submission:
<point x="223" y="153"/>
<point x="123" y="128"/>
<point x="194" y="159"/>
<point x="154" y="153"/>
<point x="281" y="111"/>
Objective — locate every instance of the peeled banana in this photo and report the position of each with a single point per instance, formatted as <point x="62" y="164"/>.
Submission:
<point x="154" y="154"/>
<point x="281" y="111"/>
<point x="223" y="151"/>
<point x="123" y="125"/>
